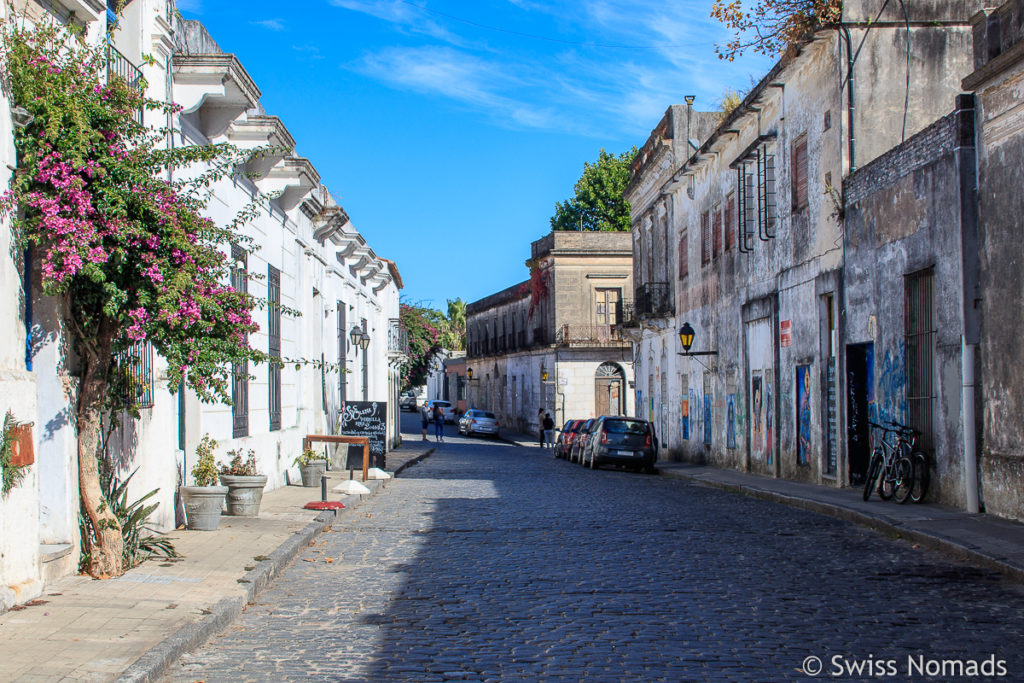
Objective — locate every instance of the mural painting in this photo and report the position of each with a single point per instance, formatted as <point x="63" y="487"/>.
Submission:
<point x="730" y="421"/>
<point x="889" y="401"/>
<point x="803" y="414"/>
<point x="757" y="414"/>
<point x="707" y="418"/>
<point x="685" y="422"/>
<point x="769" y="412"/>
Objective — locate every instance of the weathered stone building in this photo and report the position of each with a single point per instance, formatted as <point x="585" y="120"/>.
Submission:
<point x="551" y="342"/>
<point x="998" y="80"/>
<point x="910" y="244"/>
<point x="754" y="241"/>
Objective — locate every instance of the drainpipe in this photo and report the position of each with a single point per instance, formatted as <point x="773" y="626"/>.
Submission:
<point x="967" y="160"/>
<point x="849" y="94"/>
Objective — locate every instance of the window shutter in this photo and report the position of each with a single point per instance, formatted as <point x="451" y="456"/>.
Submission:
<point x="730" y="222"/>
<point x="717" y="232"/>
<point x="684" y="256"/>
<point x="799" y="174"/>
<point x="705" y="237"/>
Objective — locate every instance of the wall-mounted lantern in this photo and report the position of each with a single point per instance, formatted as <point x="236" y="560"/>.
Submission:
<point x="364" y="340"/>
<point x="686" y="333"/>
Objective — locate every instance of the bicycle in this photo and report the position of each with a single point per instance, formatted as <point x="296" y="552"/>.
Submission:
<point x="921" y="475"/>
<point x="890" y="469"/>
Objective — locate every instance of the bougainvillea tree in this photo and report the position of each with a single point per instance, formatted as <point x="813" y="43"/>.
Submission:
<point x="122" y="243"/>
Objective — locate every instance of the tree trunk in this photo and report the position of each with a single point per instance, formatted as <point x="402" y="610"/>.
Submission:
<point x="107" y="547"/>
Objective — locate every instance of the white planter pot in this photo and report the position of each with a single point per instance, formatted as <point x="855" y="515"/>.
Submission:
<point x="245" y="493"/>
<point x="203" y="505"/>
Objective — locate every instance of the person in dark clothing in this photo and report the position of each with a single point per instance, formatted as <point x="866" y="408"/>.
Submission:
<point x="549" y="429"/>
<point x="438" y="423"/>
<point x="540" y="428"/>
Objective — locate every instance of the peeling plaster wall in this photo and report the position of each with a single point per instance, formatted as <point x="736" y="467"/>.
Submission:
<point x="999" y="82"/>
<point x="903" y="215"/>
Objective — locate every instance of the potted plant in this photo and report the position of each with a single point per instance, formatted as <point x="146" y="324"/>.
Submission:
<point x="312" y="467"/>
<point x="245" y="485"/>
<point x="204" y="500"/>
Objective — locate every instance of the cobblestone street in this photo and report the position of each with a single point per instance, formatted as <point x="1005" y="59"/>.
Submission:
<point x="495" y="562"/>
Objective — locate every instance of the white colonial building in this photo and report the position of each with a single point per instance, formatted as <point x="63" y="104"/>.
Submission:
<point x="305" y="254"/>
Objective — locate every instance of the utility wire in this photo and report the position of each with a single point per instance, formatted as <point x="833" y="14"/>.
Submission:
<point x="534" y="36"/>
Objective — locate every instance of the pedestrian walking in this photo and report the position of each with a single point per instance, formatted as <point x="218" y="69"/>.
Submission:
<point x="424" y="418"/>
<point x="540" y="428"/>
<point x="438" y="423"/>
<point x="549" y="429"/>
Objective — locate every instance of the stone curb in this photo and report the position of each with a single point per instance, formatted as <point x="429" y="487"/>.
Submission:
<point x="151" y="665"/>
<point x="880" y="524"/>
<point x="409" y="463"/>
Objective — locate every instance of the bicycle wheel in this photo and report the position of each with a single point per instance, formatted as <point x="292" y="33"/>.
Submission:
<point x="874" y="472"/>
<point x="887" y="482"/>
<point x="903" y="481"/>
<point x="922" y="477"/>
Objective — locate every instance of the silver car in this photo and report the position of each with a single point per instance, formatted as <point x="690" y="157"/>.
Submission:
<point x="478" y="422"/>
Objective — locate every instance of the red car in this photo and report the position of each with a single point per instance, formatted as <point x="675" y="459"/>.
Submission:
<point x="564" y="441"/>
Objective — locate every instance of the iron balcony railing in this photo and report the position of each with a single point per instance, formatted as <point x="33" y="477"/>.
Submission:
<point x="653" y="300"/>
<point x="589" y="335"/>
<point x="398" y="339"/>
<point x="119" y="66"/>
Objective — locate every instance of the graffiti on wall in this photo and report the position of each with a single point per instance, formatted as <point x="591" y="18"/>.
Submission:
<point x="757" y="414"/>
<point x="803" y="413"/>
<point x="730" y="421"/>
<point x="888" y="400"/>
<point x="707" y="418"/>
<point x="769" y="413"/>
<point x="685" y="418"/>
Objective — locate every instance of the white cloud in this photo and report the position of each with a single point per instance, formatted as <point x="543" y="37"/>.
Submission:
<point x="272" y="24"/>
<point x="405" y="16"/>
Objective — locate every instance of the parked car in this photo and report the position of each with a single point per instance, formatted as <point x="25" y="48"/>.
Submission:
<point x="563" y="442"/>
<point x="623" y="441"/>
<point x="580" y="439"/>
<point x="407" y="401"/>
<point x="446" y="409"/>
<point x="478" y="422"/>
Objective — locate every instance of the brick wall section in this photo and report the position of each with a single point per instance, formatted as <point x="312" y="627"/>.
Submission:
<point x="934" y="142"/>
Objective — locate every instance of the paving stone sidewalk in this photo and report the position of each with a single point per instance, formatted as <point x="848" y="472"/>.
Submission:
<point x="131" y="627"/>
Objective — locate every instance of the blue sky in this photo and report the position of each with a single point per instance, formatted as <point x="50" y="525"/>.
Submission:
<point x="448" y="130"/>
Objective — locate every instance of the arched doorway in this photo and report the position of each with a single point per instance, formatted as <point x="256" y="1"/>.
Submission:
<point x="609" y="381"/>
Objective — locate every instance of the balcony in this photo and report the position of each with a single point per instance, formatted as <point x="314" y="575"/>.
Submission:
<point x="398" y="340"/>
<point x="590" y="335"/>
<point x="119" y="66"/>
<point x="653" y="300"/>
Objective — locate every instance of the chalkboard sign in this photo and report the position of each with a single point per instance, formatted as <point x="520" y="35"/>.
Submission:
<point x="365" y="418"/>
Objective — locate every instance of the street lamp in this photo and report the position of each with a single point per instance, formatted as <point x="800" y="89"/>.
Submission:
<point x="355" y="335"/>
<point x="469" y="373"/>
<point x="686" y="333"/>
<point x="364" y="340"/>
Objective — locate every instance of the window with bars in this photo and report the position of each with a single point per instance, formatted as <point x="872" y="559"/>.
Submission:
<point x="342" y="352"/>
<point x="684" y="255"/>
<point x="766" y="191"/>
<point x="239" y="371"/>
<point x="705" y="237"/>
<point x="748" y="217"/>
<point x="798" y="174"/>
<point x="274" y="344"/>
<point x="730" y="221"/>
<point x="136" y="367"/>
<point x="366" y="362"/>
<point x="920" y="343"/>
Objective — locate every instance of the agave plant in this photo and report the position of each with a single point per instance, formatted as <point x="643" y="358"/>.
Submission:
<point x="141" y="541"/>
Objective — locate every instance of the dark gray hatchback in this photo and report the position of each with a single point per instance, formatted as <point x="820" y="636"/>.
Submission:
<point x="623" y="441"/>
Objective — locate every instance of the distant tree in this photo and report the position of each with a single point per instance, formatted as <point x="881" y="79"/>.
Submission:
<point x="454" y="336"/>
<point x="599" y="204"/>
<point x="771" y="26"/>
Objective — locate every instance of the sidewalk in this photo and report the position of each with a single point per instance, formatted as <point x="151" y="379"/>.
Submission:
<point x="978" y="539"/>
<point x="130" y="628"/>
